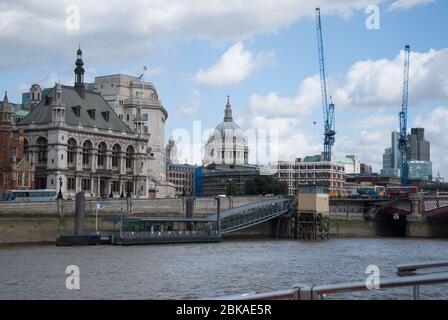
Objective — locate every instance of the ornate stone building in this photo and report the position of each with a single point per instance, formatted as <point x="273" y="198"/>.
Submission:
<point x="15" y="170"/>
<point x="129" y="96"/>
<point x="74" y="134"/>
<point x="171" y="151"/>
<point x="227" y="144"/>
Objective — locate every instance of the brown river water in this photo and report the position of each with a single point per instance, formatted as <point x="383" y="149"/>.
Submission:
<point x="189" y="271"/>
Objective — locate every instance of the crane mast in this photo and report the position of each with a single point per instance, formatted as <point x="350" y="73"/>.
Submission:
<point x="403" y="142"/>
<point x="328" y="109"/>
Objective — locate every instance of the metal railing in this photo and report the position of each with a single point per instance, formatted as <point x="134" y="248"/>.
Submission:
<point x="411" y="268"/>
<point x="167" y="234"/>
<point x="311" y="292"/>
<point x="153" y="234"/>
<point x="252" y="215"/>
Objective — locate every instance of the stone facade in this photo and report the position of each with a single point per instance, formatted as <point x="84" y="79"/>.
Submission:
<point x="227" y="144"/>
<point x="73" y="134"/>
<point x="287" y="171"/>
<point x="171" y="151"/>
<point x="127" y="95"/>
<point x="322" y="173"/>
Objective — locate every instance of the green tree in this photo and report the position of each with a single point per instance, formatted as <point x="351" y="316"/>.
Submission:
<point x="231" y="188"/>
<point x="266" y="185"/>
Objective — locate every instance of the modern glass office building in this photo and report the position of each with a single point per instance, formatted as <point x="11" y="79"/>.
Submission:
<point x="420" y="170"/>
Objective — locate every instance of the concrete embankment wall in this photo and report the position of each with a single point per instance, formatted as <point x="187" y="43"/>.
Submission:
<point x="412" y="227"/>
<point x="352" y="226"/>
<point x="44" y="221"/>
<point x="156" y="207"/>
<point x="426" y="228"/>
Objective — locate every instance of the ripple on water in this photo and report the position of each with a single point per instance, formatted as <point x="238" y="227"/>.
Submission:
<point x="202" y="270"/>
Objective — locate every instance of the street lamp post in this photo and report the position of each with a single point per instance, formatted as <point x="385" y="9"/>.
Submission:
<point x="121" y="223"/>
<point x="218" y="215"/>
<point x="60" y="189"/>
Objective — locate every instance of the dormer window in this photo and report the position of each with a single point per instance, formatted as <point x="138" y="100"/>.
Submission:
<point x="47" y="100"/>
<point x="91" y="113"/>
<point x="106" y="115"/>
<point x="77" y="110"/>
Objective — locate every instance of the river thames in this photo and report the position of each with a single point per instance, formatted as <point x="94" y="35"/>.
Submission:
<point x="189" y="271"/>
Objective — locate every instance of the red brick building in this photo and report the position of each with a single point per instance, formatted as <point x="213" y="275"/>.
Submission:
<point x="182" y="176"/>
<point x="15" y="170"/>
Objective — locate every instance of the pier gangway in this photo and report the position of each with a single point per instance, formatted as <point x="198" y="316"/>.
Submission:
<point x="249" y="215"/>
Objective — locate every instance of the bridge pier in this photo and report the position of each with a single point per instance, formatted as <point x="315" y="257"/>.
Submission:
<point x="416" y="204"/>
<point x="418" y="227"/>
<point x="312" y="222"/>
<point x="313" y="226"/>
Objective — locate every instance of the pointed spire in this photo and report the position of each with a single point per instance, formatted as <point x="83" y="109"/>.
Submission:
<point x="228" y="112"/>
<point x="5" y="103"/>
<point x="79" y="73"/>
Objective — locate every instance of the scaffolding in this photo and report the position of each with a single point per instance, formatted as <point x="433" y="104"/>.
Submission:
<point x="313" y="226"/>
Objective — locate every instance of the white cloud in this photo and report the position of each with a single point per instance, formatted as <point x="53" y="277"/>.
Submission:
<point x="235" y="65"/>
<point x="376" y="121"/>
<point x="407" y="4"/>
<point x="189" y="104"/>
<point x="273" y="105"/>
<point x="115" y="29"/>
<point x="290" y="141"/>
<point x="367" y="84"/>
<point x="378" y="83"/>
<point x="284" y="116"/>
<point x="369" y="144"/>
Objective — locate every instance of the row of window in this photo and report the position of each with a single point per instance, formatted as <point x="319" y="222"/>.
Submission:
<point x="182" y="182"/>
<point x="86" y="185"/>
<point x="145" y="117"/>
<point x="322" y="183"/>
<point x="236" y="154"/>
<point x="180" y="175"/>
<point x="42" y="153"/>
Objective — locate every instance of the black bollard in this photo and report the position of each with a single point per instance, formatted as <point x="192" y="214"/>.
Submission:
<point x="80" y="212"/>
<point x="189" y="211"/>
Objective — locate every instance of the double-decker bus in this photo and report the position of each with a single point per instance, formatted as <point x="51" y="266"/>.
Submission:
<point x="28" y="195"/>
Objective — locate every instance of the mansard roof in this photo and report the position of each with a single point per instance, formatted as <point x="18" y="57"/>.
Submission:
<point x="78" y="111"/>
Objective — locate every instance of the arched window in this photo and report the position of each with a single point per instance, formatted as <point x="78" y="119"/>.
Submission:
<point x="42" y="150"/>
<point x="129" y="157"/>
<point x="71" y="155"/>
<point x="86" y="147"/>
<point x="102" y="148"/>
<point x="116" y="156"/>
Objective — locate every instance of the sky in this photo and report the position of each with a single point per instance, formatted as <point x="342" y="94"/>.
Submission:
<point x="263" y="53"/>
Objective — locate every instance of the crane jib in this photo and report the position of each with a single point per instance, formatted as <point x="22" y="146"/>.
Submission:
<point x="328" y="109"/>
<point x="403" y="145"/>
